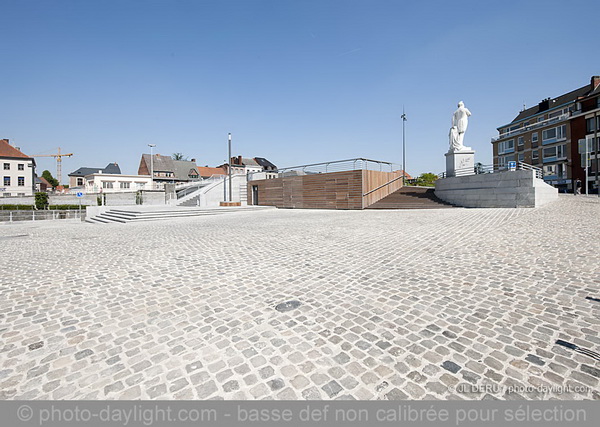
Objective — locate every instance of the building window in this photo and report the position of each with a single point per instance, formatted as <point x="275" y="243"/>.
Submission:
<point x="124" y="185"/>
<point x="520" y="140"/>
<point x="521" y="157"/>
<point x="534" y="139"/>
<point x="589" y="125"/>
<point x="535" y="154"/>
<point x="554" y="134"/>
<point x="79" y="181"/>
<point x="107" y="184"/>
<point x="557" y="113"/>
<point x="140" y="185"/>
<point x="506" y="146"/>
<point x="549" y="170"/>
<point x="7" y="181"/>
<point x="21" y="167"/>
<point x="7" y="194"/>
<point x="20" y="194"/>
<point x="21" y="181"/>
<point x="6" y="166"/>
<point x="554" y="153"/>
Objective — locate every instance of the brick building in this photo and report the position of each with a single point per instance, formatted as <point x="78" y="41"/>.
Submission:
<point x="548" y="136"/>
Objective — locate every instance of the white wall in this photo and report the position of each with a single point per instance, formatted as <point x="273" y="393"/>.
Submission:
<point x="14" y="173"/>
<point x="94" y="183"/>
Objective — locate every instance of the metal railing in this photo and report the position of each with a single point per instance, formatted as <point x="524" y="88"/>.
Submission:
<point x="532" y="126"/>
<point x="481" y="169"/>
<point x="383" y="185"/>
<point x="39" y="215"/>
<point x="192" y="187"/>
<point x="338" y="166"/>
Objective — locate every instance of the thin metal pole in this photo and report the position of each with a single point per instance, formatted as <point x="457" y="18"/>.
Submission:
<point x="596" y="149"/>
<point x="587" y="155"/>
<point x="403" y="148"/>
<point x="151" y="165"/>
<point x="229" y="137"/>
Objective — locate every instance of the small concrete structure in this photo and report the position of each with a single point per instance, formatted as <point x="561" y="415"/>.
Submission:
<point x="460" y="163"/>
<point x="510" y="189"/>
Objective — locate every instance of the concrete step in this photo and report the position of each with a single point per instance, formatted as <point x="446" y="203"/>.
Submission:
<point x="411" y="198"/>
<point x="126" y="216"/>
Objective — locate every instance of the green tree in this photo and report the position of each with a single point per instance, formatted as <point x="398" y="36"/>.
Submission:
<point x="426" y="179"/>
<point x="48" y="177"/>
<point x="178" y="156"/>
<point x="41" y="200"/>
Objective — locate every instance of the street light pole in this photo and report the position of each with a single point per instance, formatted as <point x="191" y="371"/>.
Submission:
<point x="403" y="148"/>
<point x="151" y="165"/>
<point x="229" y="168"/>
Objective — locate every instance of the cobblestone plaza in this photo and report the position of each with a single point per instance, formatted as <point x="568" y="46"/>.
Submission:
<point x="421" y="304"/>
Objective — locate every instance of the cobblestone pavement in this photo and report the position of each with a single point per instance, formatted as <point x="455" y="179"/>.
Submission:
<point x="434" y="304"/>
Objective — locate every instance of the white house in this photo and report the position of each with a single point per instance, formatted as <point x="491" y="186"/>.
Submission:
<point x="116" y="183"/>
<point x="18" y="171"/>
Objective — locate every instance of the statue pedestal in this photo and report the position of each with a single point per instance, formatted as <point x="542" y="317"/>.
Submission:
<point x="460" y="163"/>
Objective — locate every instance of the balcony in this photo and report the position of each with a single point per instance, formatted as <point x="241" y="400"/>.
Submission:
<point x="532" y="126"/>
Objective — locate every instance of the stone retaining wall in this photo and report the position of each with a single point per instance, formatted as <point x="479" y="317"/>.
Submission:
<point x="509" y="189"/>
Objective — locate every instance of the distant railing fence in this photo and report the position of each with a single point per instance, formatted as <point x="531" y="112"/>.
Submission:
<point x="339" y="166"/>
<point x="40" y="215"/>
<point x="481" y="168"/>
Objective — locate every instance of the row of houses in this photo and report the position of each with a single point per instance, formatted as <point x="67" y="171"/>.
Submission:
<point x="555" y="135"/>
<point x="19" y="176"/>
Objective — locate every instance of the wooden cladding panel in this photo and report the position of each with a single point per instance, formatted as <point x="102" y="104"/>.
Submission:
<point x="374" y="179"/>
<point x="336" y="190"/>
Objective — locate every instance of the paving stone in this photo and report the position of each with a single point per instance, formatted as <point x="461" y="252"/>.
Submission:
<point x="535" y="359"/>
<point x="332" y="388"/>
<point x="311" y="393"/>
<point x="207" y="389"/>
<point x="451" y="366"/>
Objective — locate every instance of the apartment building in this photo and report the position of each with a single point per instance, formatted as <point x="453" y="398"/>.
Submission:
<point x="18" y="171"/>
<point x="548" y="136"/>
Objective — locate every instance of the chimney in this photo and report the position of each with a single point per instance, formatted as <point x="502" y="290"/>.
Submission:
<point x="544" y="105"/>
<point x="239" y="160"/>
<point x="595" y="82"/>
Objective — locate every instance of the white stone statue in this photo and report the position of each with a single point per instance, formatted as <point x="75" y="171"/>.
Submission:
<point x="453" y="136"/>
<point x="460" y="121"/>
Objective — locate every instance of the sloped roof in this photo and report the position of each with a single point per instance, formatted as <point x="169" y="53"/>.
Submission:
<point x="554" y="102"/>
<point x="266" y="165"/>
<point x="182" y="169"/>
<point x="7" y="150"/>
<point x="111" y="168"/>
<point x="208" y="172"/>
<point x="159" y="163"/>
<point x="249" y="162"/>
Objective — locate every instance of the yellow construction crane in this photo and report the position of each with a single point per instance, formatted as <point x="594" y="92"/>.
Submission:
<point x="58" y="157"/>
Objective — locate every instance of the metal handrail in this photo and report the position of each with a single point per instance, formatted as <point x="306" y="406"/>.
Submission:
<point x="531" y="126"/>
<point x="480" y="169"/>
<point x="383" y="185"/>
<point x="351" y="164"/>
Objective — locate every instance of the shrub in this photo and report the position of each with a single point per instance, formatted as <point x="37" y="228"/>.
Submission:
<point x="64" y="207"/>
<point x="17" y="207"/>
<point x="41" y="200"/>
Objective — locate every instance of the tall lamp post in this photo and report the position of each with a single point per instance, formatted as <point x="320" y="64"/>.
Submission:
<point x="229" y="168"/>
<point x="403" y="148"/>
<point x="151" y="165"/>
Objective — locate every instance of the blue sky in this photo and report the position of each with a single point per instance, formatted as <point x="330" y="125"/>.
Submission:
<point x="293" y="81"/>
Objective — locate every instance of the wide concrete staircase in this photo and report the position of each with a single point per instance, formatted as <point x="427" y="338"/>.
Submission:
<point x="411" y="198"/>
<point x="124" y="215"/>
